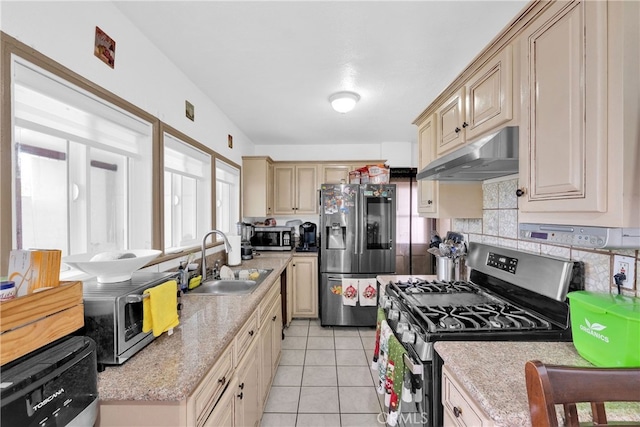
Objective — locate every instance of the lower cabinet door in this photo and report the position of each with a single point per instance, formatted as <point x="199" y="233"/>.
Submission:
<point x="223" y="413"/>
<point x="247" y="403"/>
<point x="276" y="335"/>
<point x="266" y="338"/>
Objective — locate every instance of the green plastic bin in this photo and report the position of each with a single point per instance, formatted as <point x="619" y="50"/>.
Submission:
<point x="606" y="328"/>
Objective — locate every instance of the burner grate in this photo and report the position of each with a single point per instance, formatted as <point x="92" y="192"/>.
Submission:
<point x="492" y="317"/>
<point x="414" y="285"/>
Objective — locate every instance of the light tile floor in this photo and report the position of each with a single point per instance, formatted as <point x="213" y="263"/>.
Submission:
<point x="324" y="378"/>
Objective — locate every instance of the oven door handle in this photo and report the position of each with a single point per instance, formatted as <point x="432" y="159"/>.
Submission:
<point x="132" y="299"/>
<point x="415" y="368"/>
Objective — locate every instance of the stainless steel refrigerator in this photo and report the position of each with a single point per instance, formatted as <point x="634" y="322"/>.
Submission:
<point x="357" y="241"/>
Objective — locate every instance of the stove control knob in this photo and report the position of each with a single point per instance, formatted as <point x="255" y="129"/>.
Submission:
<point x="394" y="314"/>
<point x="408" y="337"/>
<point x="386" y="302"/>
<point x="402" y="327"/>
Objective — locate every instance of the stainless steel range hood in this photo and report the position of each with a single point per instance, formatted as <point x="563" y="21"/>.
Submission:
<point x="489" y="157"/>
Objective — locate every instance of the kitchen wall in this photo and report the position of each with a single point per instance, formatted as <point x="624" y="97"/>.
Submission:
<point x="397" y="154"/>
<point x="499" y="226"/>
<point x="143" y="75"/>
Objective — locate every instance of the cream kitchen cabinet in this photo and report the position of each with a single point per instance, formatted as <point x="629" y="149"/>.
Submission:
<point x="305" y="286"/>
<point x="451" y="124"/>
<point x="224" y="411"/>
<point x="270" y="338"/>
<point x="206" y="396"/>
<point x="295" y="189"/>
<point x="483" y="103"/>
<point x="338" y="172"/>
<point x="257" y="186"/>
<point x="579" y="144"/>
<point x="439" y="199"/>
<point x="335" y="174"/>
<point x="247" y="399"/>
<point x="460" y="409"/>
<point x="427" y="190"/>
<point x="489" y="96"/>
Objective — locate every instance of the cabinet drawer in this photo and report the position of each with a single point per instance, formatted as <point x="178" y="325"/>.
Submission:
<point x="222" y="414"/>
<point x="267" y="302"/>
<point x="459" y="405"/>
<point x="213" y="385"/>
<point x="244" y="338"/>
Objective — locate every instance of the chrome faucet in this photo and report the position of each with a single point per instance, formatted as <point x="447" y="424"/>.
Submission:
<point x="227" y="248"/>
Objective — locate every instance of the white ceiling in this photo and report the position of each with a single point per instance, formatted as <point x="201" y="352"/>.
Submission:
<point x="271" y="66"/>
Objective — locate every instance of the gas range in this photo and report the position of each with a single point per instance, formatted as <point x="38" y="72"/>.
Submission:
<point x="510" y="296"/>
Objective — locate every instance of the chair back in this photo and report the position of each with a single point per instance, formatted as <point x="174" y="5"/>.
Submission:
<point x="550" y="385"/>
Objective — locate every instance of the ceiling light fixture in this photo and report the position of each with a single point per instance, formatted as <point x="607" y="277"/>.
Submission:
<point x="343" y="102"/>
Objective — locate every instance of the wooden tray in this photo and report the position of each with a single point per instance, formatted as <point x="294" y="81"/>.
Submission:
<point x="32" y="321"/>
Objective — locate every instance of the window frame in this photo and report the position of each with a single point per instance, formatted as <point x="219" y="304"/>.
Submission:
<point x="165" y="128"/>
<point x="215" y="185"/>
<point x="12" y="47"/>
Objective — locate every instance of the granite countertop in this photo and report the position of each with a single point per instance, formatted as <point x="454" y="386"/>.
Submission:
<point x="494" y="376"/>
<point x="170" y="367"/>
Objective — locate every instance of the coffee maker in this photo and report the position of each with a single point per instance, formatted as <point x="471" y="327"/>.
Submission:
<point x="308" y="238"/>
<point x="245" y="231"/>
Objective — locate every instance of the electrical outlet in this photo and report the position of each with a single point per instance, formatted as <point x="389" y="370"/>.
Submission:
<point x="626" y="265"/>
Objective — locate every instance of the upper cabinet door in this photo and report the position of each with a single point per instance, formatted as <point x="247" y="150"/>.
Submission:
<point x="335" y="174"/>
<point x="451" y="118"/>
<point x="296" y="189"/>
<point x="427" y="190"/>
<point x="564" y="88"/>
<point x="307" y="189"/>
<point x="489" y="95"/>
<point x="284" y="189"/>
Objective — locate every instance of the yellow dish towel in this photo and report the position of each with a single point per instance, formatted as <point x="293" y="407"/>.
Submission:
<point x="160" y="309"/>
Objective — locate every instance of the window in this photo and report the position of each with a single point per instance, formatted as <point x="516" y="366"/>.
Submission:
<point x="227" y="197"/>
<point x="187" y="194"/>
<point x="82" y="168"/>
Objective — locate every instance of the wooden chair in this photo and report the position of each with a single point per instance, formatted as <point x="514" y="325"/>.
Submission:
<point x="550" y="385"/>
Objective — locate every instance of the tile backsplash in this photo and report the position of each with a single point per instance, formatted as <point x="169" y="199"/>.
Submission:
<point x="499" y="226"/>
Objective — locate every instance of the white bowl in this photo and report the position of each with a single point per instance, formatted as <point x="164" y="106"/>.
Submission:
<point x="114" y="270"/>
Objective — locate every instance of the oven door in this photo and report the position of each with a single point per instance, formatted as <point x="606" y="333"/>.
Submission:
<point x="418" y="412"/>
<point x="129" y="324"/>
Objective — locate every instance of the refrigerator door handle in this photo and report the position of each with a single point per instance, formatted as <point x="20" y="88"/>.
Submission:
<point x="360" y="222"/>
<point x="357" y="225"/>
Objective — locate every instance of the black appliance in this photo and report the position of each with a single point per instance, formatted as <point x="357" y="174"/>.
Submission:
<point x="56" y="385"/>
<point x="308" y="238"/>
<point x="511" y="296"/>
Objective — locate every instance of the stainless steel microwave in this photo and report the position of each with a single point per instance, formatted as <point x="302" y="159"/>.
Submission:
<point x="113" y="315"/>
<point x="278" y="238"/>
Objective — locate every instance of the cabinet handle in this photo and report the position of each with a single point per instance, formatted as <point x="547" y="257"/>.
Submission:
<point x="240" y="395"/>
<point x="521" y="192"/>
<point x="465" y="124"/>
<point x="251" y="333"/>
<point x="429" y="202"/>
<point x="457" y="411"/>
<point x="274" y="318"/>
<point x="222" y="380"/>
<point x="241" y="386"/>
<point x="457" y="129"/>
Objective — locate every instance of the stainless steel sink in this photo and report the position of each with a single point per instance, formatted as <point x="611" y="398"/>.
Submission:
<point x="231" y="286"/>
